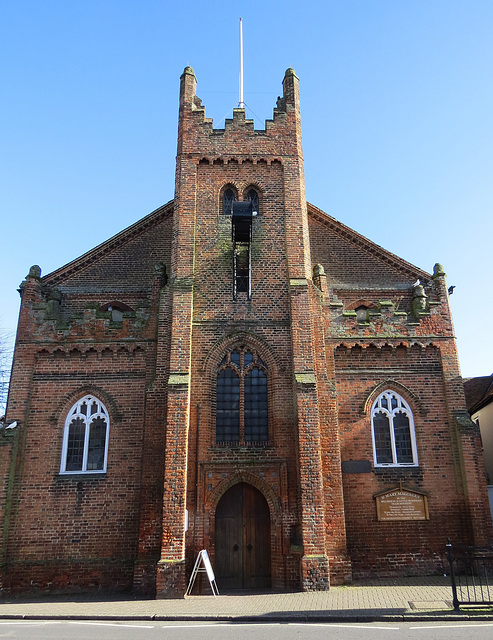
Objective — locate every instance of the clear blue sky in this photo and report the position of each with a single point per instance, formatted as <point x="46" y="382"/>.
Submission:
<point x="397" y="105"/>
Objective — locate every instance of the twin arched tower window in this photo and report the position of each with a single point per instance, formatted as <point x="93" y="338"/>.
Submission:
<point x="242" y="213"/>
<point x="241" y="399"/>
<point x="394" y="440"/>
<point x="229" y="196"/>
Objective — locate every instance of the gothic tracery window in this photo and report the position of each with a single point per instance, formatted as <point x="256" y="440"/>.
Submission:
<point x="241" y="399"/>
<point x="394" y="441"/>
<point x="85" y="437"/>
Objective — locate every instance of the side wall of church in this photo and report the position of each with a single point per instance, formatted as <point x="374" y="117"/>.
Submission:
<point x="389" y="333"/>
<point x="404" y="546"/>
<point x="68" y="531"/>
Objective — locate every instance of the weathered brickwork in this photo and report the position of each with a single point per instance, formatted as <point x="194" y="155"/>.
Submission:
<point x="143" y="322"/>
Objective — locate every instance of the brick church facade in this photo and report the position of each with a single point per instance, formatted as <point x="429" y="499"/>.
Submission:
<point x="237" y="372"/>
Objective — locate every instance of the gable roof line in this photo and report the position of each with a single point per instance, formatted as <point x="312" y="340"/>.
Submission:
<point x="111" y="244"/>
<point x="166" y="210"/>
<point x="365" y="244"/>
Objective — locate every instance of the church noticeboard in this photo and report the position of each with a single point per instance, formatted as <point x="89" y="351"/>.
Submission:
<point x="401" y="504"/>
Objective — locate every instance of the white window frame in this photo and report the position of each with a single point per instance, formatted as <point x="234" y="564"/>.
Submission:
<point x="402" y="407"/>
<point x="75" y="411"/>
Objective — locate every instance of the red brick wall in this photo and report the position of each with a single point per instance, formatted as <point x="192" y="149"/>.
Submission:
<point x="85" y="519"/>
<point x="406" y="547"/>
<point x="72" y="531"/>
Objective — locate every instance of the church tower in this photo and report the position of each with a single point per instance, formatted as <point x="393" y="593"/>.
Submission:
<point x="249" y="385"/>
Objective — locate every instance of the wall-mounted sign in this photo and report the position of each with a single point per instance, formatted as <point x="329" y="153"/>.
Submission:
<point x="402" y="504"/>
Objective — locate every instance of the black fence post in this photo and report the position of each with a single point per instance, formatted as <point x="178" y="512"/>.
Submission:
<point x="455" y="599"/>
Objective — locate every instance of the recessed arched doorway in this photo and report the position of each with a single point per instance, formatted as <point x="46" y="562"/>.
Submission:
<point x="242" y="553"/>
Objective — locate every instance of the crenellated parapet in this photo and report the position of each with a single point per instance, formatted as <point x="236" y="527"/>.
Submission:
<point x="198" y="137"/>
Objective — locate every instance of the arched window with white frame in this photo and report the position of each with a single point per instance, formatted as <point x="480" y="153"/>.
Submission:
<point x="85" y="437"/>
<point x="392" y="427"/>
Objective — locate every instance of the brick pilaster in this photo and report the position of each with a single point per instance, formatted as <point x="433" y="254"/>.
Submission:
<point x="170" y="581"/>
<point x="466" y="441"/>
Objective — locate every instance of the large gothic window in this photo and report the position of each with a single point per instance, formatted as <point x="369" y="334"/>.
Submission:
<point x="241" y="399"/>
<point x="85" y="437"/>
<point x="394" y="441"/>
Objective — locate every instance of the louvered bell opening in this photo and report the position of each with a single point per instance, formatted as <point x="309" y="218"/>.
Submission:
<point x="242" y="235"/>
<point x="242" y="221"/>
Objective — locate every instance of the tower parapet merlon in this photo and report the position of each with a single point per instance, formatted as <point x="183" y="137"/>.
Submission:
<point x="286" y="105"/>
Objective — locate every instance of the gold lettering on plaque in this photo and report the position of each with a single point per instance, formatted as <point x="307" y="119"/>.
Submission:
<point x="402" y="504"/>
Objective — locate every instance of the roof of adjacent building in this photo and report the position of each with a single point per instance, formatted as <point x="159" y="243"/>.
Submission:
<point x="479" y="392"/>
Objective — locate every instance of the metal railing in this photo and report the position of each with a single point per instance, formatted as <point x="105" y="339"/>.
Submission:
<point x="471" y="574"/>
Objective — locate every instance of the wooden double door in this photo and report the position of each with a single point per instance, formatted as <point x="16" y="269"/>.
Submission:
<point x="242" y="558"/>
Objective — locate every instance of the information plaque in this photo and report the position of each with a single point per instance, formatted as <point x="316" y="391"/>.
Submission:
<point x="401" y="504"/>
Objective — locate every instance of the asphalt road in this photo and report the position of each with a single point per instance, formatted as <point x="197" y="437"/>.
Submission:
<point x="87" y="630"/>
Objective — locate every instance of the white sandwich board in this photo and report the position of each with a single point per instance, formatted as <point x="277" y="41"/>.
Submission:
<point x="203" y="565"/>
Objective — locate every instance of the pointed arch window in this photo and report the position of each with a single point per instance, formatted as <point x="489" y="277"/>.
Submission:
<point x="85" y="437"/>
<point x="229" y="196"/>
<point x="252" y="196"/>
<point x="394" y="440"/>
<point x="241" y="399"/>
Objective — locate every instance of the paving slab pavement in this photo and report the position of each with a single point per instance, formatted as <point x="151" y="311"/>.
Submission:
<point x="423" y="598"/>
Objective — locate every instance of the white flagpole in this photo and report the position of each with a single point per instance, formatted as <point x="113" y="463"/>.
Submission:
<point x="241" y="104"/>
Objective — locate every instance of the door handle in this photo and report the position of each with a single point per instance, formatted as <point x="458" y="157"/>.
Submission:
<point x="249" y="547"/>
<point x="235" y="547"/>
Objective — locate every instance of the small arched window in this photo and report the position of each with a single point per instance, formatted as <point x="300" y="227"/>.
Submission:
<point x="394" y="440"/>
<point x="241" y="399"/>
<point x="85" y="437"/>
<point x="117" y="309"/>
<point x="229" y="197"/>
<point x="252" y="196"/>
